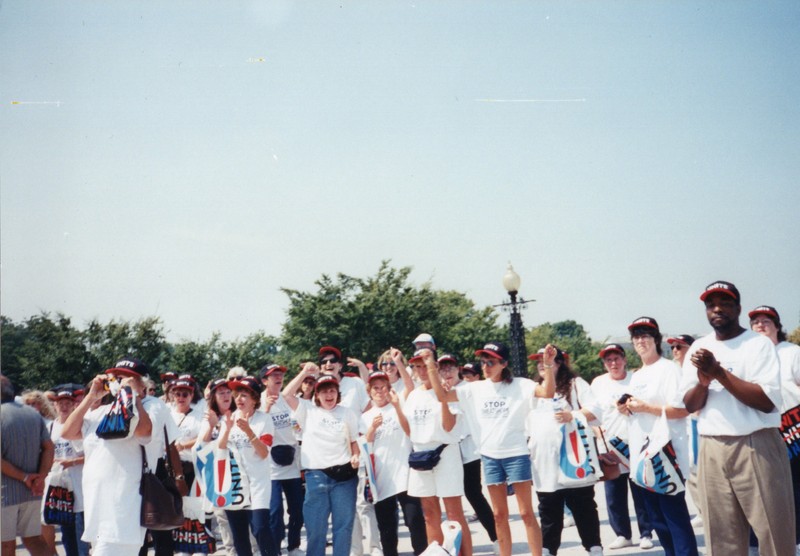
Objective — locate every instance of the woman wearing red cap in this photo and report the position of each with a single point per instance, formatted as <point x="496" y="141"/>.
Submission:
<point x="499" y="406"/>
<point x="69" y="454"/>
<point x="330" y="459"/>
<point x="766" y="321"/>
<point x="248" y="433"/>
<point x="220" y="406"/>
<point x="112" y="468"/>
<point x="653" y="389"/>
<point x="573" y="399"/>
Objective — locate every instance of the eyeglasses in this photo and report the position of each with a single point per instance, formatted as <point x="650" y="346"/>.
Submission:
<point x="760" y="322"/>
<point x="678" y="347"/>
<point x="151" y="390"/>
<point x="488" y="363"/>
<point x="388" y="364"/>
<point x="182" y="394"/>
<point x="331" y="360"/>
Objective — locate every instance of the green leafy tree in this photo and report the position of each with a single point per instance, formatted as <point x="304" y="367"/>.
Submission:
<point x="571" y="337"/>
<point x="43" y="351"/>
<point x="251" y="352"/>
<point x="365" y="316"/>
<point x="144" y="339"/>
<point x="202" y="360"/>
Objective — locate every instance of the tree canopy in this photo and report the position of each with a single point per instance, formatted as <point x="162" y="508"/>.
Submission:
<point x="361" y="316"/>
<point x="365" y="317"/>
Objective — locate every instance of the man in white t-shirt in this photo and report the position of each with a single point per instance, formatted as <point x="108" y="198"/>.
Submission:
<point x="607" y="390"/>
<point x="733" y="377"/>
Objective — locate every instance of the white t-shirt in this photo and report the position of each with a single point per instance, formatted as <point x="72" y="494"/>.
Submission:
<point x="399" y="387"/>
<point x="789" y="356"/>
<point x="326" y="434"/>
<point x="424" y="413"/>
<point x="658" y="384"/>
<point x="607" y="393"/>
<point x="469" y="448"/>
<point x="112" y="473"/>
<point x="499" y="411"/>
<point x="189" y="427"/>
<point x="69" y="449"/>
<point x="256" y="468"/>
<point x="354" y="394"/>
<point x="749" y="356"/>
<point x="281" y="415"/>
<point x="390" y="447"/>
<point x="546" y="433"/>
<point x="160" y="416"/>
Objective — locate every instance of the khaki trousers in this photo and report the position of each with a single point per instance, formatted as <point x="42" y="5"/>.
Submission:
<point x="746" y="482"/>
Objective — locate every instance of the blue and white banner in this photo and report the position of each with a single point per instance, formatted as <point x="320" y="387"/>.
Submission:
<point x="219" y="478"/>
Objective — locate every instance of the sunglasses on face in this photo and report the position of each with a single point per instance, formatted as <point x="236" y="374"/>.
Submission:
<point x="678" y="347"/>
<point x="151" y="390"/>
<point x="331" y="360"/>
<point x="388" y="364"/>
<point x="182" y="394"/>
<point x="488" y="363"/>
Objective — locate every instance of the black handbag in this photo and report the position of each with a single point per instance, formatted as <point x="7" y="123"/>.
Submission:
<point x="425" y="460"/>
<point x="162" y="503"/>
<point x="282" y="454"/>
<point x="341" y="473"/>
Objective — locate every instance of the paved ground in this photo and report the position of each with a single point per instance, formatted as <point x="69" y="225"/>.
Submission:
<point x="570" y="545"/>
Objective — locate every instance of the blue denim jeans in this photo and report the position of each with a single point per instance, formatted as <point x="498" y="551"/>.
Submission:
<point x="71" y="538"/>
<point x="293" y="490"/>
<point x="242" y="522"/>
<point x="327" y="497"/>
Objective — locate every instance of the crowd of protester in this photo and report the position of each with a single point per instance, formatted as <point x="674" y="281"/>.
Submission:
<point x="345" y="447"/>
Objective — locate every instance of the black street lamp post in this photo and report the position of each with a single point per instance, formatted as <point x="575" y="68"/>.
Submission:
<point x="519" y="354"/>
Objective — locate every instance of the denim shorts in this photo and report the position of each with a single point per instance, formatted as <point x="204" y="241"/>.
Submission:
<point x="515" y="469"/>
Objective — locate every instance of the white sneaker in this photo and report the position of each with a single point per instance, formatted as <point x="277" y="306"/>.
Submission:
<point x="569" y="521"/>
<point x="645" y="543"/>
<point x="596" y="551"/>
<point x="546" y="552"/>
<point x="797" y="552"/>
<point x="697" y="521"/>
<point x="620" y="542"/>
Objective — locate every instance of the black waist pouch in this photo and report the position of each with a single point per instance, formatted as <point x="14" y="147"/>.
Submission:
<point x="426" y="459"/>
<point x="341" y="473"/>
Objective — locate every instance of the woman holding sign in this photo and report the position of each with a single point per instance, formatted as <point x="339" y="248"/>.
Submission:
<point x="652" y="391"/>
<point x="564" y="469"/>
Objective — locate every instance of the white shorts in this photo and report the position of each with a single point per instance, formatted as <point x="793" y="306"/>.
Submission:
<point x="21" y="520"/>
<point x="445" y="480"/>
<point x="103" y="548"/>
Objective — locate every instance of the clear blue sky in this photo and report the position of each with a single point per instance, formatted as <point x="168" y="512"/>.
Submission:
<point x="204" y="154"/>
